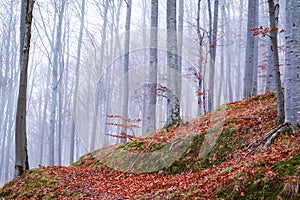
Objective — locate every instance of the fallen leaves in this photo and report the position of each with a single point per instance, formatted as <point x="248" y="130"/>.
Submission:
<point x="88" y="178"/>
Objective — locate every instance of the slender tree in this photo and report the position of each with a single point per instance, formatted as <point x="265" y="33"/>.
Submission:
<point x="55" y="82"/>
<point x="180" y="39"/>
<point x="279" y="95"/>
<point x="213" y="30"/>
<point x="126" y="64"/>
<point x="200" y="76"/>
<point x="72" y="135"/>
<point x="21" y="162"/>
<point x="292" y="74"/>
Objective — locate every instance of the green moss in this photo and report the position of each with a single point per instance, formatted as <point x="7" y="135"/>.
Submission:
<point x="223" y="107"/>
<point x="133" y="146"/>
<point x="223" y="147"/>
<point x="97" y="163"/>
<point x="188" y="161"/>
<point x="76" y="194"/>
<point x="270" y="108"/>
<point x="280" y="186"/>
<point x="230" y="121"/>
<point x="5" y="192"/>
<point x="265" y="97"/>
<point x="288" y="167"/>
<point x="189" y="193"/>
<point x="77" y="163"/>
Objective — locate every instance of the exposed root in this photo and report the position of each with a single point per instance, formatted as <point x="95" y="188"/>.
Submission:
<point x="270" y="136"/>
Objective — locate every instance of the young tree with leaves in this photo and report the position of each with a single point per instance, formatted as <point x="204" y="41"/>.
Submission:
<point x="21" y="162"/>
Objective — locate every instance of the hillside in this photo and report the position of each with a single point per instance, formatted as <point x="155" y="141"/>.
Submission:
<point x="216" y="156"/>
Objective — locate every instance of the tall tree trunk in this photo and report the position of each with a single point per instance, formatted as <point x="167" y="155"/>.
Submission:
<point x="55" y="82"/>
<point x="292" y="74"/>
<point x="150" y="109"/>
<point x="250" y="50"/>
<point x="180" y="40"/>
<point x="21" y="162"/>
<point x="239" y="90"/>
<point x="229" y="65"/>
<point x="279" y="94"/>
<point x="173" y="101"/>
<point x="201" y="107"/>
<point x="73" y="128"/>
<point x="212" y="52"/>
<point x="126" y="65"/>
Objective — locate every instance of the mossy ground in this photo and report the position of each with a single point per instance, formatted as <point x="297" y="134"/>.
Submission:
<point x="283" y="184"/>
<point x="172" y="159"/>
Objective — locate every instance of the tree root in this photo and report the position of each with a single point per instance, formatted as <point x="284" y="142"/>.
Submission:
<point x="270" y="136"/>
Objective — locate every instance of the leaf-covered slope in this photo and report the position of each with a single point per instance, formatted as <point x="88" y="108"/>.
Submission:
<point x="218" y="155"/>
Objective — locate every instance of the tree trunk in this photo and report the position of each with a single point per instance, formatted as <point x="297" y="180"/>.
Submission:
<point x="292" y="74"/>
<point x="250" y="48"/>
<point x="279" y="95"/>
<point x="150" y="107"/>
<point x="212" y="52"/>
<point x="21" y="162"/>
<point x="55" y="83"/>
<point x="72" y="135"/>
<point x="173" y="101"/>
<point x="201" y="107"/>
<point x="126" y="66"/>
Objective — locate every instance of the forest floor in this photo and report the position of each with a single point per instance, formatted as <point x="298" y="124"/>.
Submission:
<point x="216" y="156"/>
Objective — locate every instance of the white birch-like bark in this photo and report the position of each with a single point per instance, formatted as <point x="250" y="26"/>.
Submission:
<point x="292" y="74"/>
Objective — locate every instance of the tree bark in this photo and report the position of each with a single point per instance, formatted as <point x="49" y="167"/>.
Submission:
<point x="126" y="65"/>
<point x="212" y="52"/>
<point x="292" y="74"/>
<point x="21" y="162"/>
<point x="173" y="101"/>
<point x="250" y="50"/>
<point x="150" y="107"/>
<point x="279" y="94"/>
<point x="73" y="128"/>
<point x="55" y="82"/>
